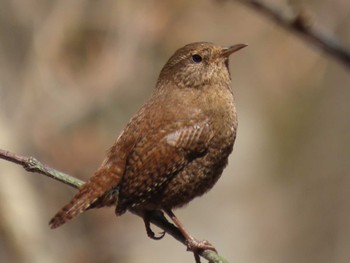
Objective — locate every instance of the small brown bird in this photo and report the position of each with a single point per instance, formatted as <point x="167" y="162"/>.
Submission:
<point x="175" y="148"/>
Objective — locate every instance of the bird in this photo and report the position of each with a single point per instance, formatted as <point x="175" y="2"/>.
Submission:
<point x="174" y="148"/>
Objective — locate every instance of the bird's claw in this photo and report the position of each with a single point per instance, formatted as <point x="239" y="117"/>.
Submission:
<point x="195" y="245"/>
<point x="153" y="236"/>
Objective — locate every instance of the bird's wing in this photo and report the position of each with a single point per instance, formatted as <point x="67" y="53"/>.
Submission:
<point x="154" y="159"/>
<point x="159" y="156"/>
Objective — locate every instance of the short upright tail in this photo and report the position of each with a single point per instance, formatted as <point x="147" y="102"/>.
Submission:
<point x="81" y="201"/>
<point x="107" y="177"/>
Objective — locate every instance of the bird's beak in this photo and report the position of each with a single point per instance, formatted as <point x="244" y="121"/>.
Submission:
<point x="229" y="50"/>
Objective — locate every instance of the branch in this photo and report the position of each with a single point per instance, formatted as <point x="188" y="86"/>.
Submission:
<point x="31" y="164"/>
<point x="299" y="22"/>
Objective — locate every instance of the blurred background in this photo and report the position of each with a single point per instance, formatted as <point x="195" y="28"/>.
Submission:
<point x="72" y="73"/>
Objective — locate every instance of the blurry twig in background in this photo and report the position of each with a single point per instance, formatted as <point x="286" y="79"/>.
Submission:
<point x="301" y="23"/>
<point x="30" y="164"/>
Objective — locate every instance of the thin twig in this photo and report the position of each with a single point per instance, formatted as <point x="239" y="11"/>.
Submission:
<point x="300" y="23"/>
<point x="31" y="164"/>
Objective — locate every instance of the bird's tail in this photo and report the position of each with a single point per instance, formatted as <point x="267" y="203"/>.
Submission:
<point x="105" y="178"/>
<point x="81" y="201"/>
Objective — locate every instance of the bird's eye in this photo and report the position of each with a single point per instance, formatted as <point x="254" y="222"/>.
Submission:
<point x="197" y="58"/>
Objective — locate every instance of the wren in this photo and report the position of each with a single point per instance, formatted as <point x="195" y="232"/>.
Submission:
<point x="176" y="146"/>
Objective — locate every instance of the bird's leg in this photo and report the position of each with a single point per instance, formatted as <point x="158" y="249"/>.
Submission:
<point x="196" y="257"/>
<point x="192" y="244"/>
<point x="150" y="233"/>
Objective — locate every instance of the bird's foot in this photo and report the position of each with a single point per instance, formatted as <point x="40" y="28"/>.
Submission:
<point x="197" y="246"/>
<point x="149" y="231"/>
<point x="194" y="245"/>
<point x="153" y="236"/>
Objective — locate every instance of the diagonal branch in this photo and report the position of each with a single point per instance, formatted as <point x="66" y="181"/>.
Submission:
<point x="300" y="23"/>
<point x="31" y="164"/>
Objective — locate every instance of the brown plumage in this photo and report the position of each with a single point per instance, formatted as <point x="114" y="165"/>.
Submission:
<point x="175" y="148"/>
